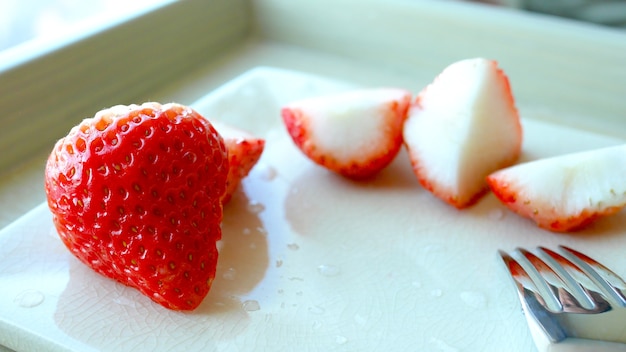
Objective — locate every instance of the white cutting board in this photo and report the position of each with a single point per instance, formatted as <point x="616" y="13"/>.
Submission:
<point x="309" y="261"/>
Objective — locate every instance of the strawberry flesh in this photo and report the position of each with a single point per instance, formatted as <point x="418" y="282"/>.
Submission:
<point x="567" y="192"/>
<point x="462" y="127"/>
<point x="244" y="151"/>
<point x="355" y="134"/>
<point x="135" y="195"/>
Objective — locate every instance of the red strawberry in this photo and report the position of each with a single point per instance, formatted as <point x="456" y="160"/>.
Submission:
<point x="567" y="192"/>
<point x="461" y="128"/>
<point x="244" y="151"/>
<point x="355" y="134"/>
<point x="135" y="194"/>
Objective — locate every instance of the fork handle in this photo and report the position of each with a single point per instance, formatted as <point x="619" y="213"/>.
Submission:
<point x="584" y="345"/>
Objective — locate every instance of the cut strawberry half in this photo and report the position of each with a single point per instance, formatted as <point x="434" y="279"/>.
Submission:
<point x="565" y="193"/>
<point x="135" y="193"/>
<point x="244" y="151"/>
<point x="462" y="127"/>
<point x="355" y="134"/>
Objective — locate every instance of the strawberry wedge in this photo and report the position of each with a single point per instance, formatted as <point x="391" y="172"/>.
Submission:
<point x="461" y="128"/>
<point x="355" y="134"/>
<point x="244" y="151"/>
<point x="568" y="192"/>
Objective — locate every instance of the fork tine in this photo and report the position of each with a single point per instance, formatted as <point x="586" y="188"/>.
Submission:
<point x="567" y="278"/>
<point x="550" y="281"/>
<point x="578" y="283"/>
<point x="611" y="284"/>
<point x="526" y="285"/>
<point x="532" y="301"/>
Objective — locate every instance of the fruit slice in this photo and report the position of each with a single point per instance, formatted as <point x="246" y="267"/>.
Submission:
<point x="462" y="127"/>
<point x="244" y="151"/>
<point x="135" y="194"/>
<point x="355" y="134"/>
<point x="567" y="192"/>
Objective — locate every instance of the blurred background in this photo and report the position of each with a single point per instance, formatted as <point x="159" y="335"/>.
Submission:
<point x="603" y="12"/>
<point x="22" y="21"/>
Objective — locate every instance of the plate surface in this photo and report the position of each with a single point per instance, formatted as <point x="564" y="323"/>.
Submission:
<point x="308" y="260"/>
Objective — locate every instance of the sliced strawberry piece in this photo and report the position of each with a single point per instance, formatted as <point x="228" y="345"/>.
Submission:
<point x="461" y="128"/>
<point x="355" y="134"/>
<point x="244" y="151"/>
<point x="565" y="193"/>
<point x="135" y="195"/>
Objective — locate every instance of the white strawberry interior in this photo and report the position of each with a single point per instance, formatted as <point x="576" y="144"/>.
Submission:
<point x="593" y="180"/>
<point x="351" y="125"/>
<point x="464" y="127"/>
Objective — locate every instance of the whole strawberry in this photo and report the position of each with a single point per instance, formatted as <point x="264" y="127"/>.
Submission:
<point x="135" y="194"/>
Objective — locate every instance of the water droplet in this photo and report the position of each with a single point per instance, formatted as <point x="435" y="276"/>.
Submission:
<point x="434" y="248"/>
<point x="251" y="305"/>
<point x="281" y="291"/>
<point x="125" y="301"/>
<point x="316" y="310"/>
<point x="248" y="91"/>
<point x="246" y="231"/>
<point x="441" y="345"/>
<point x="474" y="299"/>
<point x="416" y="284"/>
<point x="316" y="324"/>
<point x="53" y="232"/>
<point x="279" y="263"/>
<point x="436" y="292"/>
<point x="299" y="293"/>
<point x="255" y="207"/>
<point x="29" y="298"/>
<point x="495" y="214"/>
<point x="230" y="274"/>
<point x="252" y="245"/>
<point x="341" y="339"/>
<point x="328" y="270"/>
<point x="359" y="319"/>
<point x="267" y="172"/>
<point x="293" y="246"/>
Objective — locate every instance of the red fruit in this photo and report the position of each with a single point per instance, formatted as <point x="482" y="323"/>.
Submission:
<point x="461" y="128"/>
<point x="355" y="134"/>
<point x="135" y="194"/>
<point x="244" y="151"/>
<point x="565" y="193"/>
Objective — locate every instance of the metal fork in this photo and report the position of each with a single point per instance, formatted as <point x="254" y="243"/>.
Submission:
<point x="569" y="297"/>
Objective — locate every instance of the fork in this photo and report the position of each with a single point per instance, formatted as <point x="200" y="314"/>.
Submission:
<point x="569" y="299"/>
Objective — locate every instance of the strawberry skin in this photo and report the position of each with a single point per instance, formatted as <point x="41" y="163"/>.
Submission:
<point x="565" y="193"/>
<point x="244" y="151"/>
<point x="135" y="195"/>
<point x="355" y="134"/>
<point x="462" y="127"/>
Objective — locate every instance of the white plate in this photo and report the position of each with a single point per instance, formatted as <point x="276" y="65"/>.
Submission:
<point x="309" y="260"/>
